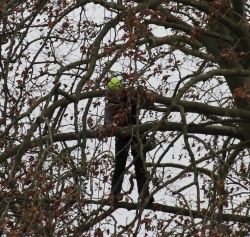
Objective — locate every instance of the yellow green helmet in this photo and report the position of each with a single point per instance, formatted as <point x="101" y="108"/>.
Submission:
<point x="114" y="84"/>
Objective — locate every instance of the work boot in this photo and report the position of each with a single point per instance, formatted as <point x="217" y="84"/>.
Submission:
<point x="115" y="197"/>
<point x="151" y="200"/>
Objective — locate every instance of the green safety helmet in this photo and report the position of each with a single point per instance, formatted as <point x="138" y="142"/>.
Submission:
<point x="115" y="84"/>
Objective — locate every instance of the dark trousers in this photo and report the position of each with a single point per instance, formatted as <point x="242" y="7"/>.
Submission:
<point x="122" y="146"/>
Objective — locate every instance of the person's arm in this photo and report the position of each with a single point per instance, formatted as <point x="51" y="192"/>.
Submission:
<point x="108" y="115"/>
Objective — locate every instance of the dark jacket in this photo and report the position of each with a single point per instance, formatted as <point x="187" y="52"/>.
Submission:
<point x="120" y="107"/>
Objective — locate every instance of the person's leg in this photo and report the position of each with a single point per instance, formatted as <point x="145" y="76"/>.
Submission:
<point x="140" y="169"/>
<point x="121" y="153"/>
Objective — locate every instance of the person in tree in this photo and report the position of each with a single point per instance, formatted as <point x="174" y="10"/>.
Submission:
<point x="121" y="110"/>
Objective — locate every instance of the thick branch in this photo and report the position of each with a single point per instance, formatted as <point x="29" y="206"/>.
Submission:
<point x="147" y="127"/>
<point x="176" y="211"/>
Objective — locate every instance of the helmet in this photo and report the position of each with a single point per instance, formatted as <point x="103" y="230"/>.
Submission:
<point x="115" y="84"/>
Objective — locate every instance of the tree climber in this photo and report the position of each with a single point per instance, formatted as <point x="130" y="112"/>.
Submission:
<point x="121" y="110"/>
